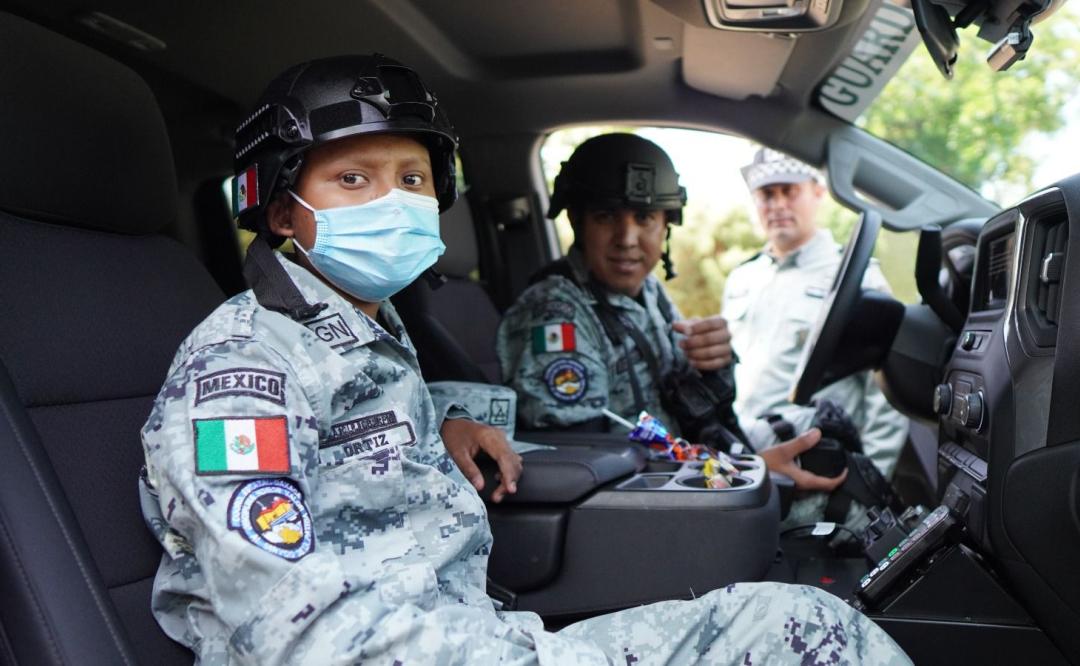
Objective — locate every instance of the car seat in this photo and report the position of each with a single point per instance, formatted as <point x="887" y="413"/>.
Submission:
<point x="454" y="327"/>
<point x="95" y="303"/>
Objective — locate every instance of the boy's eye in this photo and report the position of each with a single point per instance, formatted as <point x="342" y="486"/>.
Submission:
<point x="413" y="180"/>
<point x="353" y="179"/>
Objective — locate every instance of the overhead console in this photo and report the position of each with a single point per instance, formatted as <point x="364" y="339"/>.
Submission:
<point x="785" y="16"/>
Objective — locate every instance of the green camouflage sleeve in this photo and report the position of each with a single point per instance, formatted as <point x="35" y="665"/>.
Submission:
<point x="232" y="449"/>
<point x="552" y="352"/>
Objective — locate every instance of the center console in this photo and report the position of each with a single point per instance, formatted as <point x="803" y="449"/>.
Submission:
<point x="627" y="535"/>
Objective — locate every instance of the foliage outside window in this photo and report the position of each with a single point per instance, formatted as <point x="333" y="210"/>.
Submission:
<point x="1003" y="134"/>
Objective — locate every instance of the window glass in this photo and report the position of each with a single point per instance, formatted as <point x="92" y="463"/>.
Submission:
<point x="720" y="228"/>
<point x="1004" y="134"/>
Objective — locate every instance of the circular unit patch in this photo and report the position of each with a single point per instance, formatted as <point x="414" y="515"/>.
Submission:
<point x="566" y="380"/>
<point x="270" y="513"/>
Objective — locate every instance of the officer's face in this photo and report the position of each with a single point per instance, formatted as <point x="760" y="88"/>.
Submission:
<point x="622" y="245"/>
<point x="788" y="213"/>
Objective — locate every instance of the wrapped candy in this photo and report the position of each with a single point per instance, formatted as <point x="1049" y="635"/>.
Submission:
<point x="650" y="431"/>
<point x="654" y="434"/>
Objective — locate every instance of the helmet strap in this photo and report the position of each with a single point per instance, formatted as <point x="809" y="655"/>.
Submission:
<point x="270" y="282"/>
<point x="665" y="256"/>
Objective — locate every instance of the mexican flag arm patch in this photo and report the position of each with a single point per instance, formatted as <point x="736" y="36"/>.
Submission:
<point x="241" y="445"/>
<point x="553" y="338"/>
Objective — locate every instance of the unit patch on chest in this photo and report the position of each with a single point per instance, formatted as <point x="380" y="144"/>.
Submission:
<point x="333" y="330"/>
<point x="365" y="436"/>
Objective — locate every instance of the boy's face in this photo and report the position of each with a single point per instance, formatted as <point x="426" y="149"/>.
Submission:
<point x="350" y="172"/>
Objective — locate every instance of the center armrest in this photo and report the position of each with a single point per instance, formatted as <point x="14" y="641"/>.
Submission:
<point x="565" y="474"/>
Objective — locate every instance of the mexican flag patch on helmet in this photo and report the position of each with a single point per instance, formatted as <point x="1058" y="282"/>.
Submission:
<point x="246" y="190"/>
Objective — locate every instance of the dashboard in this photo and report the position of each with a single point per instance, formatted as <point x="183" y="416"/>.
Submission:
<point x="1008" y="409"/>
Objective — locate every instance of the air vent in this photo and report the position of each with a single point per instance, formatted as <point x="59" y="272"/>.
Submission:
<point x="1051" y="268"/>
<point x="1046" y="271"/>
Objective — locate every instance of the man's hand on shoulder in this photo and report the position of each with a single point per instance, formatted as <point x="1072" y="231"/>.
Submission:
<point x="464" y="439"/>
<point x="707" y="344"/>
<point x="781" y="458"/>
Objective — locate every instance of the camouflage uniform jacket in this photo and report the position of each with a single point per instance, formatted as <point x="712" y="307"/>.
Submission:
<point x="553" y="350"/>
<point x="298" y="483"/>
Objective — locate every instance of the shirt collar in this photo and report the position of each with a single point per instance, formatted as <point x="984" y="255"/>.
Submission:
<point x="341" y="325"/>
<point x="819" y="245"/>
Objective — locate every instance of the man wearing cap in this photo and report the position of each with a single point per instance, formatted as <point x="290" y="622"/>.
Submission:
<point x="772" y="300"/>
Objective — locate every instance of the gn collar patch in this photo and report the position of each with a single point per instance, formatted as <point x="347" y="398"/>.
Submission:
<point x="566" y="380"/>
<point x="333" y="330"/>
<point x="271" y="515"/>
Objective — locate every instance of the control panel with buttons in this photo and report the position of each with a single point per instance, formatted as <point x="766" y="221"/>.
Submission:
<point x="927" y="537"/>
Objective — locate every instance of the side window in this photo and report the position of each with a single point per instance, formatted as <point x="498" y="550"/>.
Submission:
<point x="721" y="227"/>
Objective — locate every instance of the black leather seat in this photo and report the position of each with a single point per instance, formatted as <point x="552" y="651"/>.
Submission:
<point x="454" y="327"/>
<point x="94" y="305"/>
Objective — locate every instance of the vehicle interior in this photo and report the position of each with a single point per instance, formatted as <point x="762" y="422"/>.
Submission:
<point x="116" y="144"/>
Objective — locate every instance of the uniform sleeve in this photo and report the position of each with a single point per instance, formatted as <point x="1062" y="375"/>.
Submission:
<point x="232" y="456"/>
<point x="551" y="352"/>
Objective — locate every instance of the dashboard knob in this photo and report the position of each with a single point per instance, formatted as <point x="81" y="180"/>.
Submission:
<point x="968" y="340"/>
<point x="942" y="399"/>
<point x="973" y="415"/>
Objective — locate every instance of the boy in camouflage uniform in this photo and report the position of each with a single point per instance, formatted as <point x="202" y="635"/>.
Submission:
<point x="295" y="475"/>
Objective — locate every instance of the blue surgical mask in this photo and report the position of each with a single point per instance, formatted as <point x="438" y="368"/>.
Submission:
<point x="374" y="250"/>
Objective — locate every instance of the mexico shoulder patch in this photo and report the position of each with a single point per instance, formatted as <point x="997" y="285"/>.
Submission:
<point x="271" y="515"/>
<point x="553" y="338"/>
<point x="241" y="445"/>
<point x="566" y="380"/>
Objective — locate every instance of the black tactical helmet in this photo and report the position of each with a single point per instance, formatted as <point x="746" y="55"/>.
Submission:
<point x="328" y="99"/>
<point x="619" y="170"/>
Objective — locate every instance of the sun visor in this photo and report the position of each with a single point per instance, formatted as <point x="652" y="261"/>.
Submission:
<point x="735" y="65"/>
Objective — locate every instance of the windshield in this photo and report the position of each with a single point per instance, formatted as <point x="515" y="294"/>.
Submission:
<point x="1004" y="134"/>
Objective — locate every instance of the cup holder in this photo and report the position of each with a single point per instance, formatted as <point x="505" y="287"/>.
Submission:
<point x="698" y="482"/>
<point x="663" y="466"/>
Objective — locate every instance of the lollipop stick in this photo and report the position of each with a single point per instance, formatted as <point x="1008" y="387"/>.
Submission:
<point x="618" y="419"/>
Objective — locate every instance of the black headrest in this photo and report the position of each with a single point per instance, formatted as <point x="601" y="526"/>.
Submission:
<point x="82" y="140"/>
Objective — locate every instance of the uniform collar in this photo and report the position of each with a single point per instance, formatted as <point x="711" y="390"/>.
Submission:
<point x="341" y="325"/>
<point x="820" y="245"/>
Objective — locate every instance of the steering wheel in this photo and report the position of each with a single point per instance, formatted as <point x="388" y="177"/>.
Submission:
<point x="836" y="309"/>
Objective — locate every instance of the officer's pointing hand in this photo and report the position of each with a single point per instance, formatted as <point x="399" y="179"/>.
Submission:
<point x="464" y="439"/>
<point x="781" y="458"/>
<point x="707" y="344"/>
